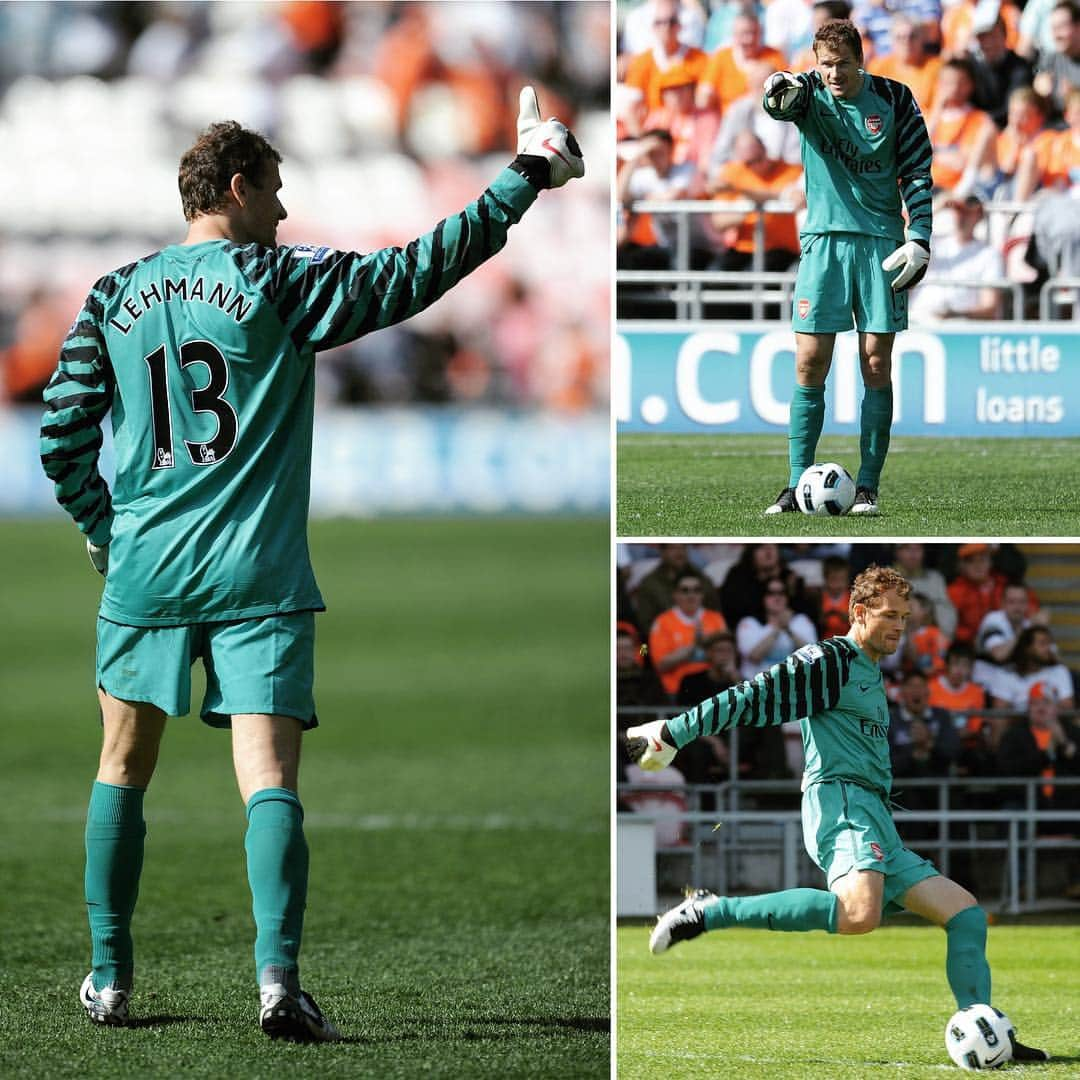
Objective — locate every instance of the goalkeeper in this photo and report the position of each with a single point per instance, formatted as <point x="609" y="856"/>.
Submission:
<point x="204" y="353"/>
<point x="864" y="146"/>
<point x="835" y="690"/>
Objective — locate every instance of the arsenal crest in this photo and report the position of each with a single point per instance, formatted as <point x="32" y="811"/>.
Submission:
<point x="873" y="124"/>
<point x="804" y="308"/>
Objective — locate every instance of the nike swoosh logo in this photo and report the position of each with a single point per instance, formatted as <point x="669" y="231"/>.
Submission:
<point x="547" y="145"/>
<point x="657" y="745"/>
<point x="867" y="686"/>
<point x="990" y="1061"/>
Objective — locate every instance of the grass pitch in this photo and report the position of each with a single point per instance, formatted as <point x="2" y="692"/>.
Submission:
<point x="749" y="1003"/>
<point x="701" y="485"/>
<point x="457" y="813"/>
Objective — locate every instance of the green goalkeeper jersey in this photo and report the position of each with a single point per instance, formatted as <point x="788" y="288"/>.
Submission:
<point x="861" y="156"/>
<point x="836" y="693"/>
<point x="204" y="354"/>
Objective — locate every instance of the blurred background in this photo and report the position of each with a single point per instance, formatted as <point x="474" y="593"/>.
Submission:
<point x="389" y="116"/>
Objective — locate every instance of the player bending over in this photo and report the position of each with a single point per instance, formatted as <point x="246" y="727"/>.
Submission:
<point x="864" y="145"/>
<point x="204" y="354"/>
<point x="835" y="690"/>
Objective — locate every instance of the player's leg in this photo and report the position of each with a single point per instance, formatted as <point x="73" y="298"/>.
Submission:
<point x="115" y="835"/>
<point x="875" y="419"/>
<point x="953" y="908"/>
<point x="787" y="910"/>
<point x="813" y="357"/>
<point x="859" y="901"/>
<point x="260" y="674"/>
<point x="266" y="756"/>
<point x="823" y="308"/>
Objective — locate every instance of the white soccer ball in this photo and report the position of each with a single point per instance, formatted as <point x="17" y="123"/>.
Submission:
<point x="825" y="489"/>
<point x="978" y="1038"/>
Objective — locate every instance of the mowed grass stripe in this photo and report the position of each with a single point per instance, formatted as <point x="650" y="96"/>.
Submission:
<point x="814" y="1006"/>
<point x="701" y="485"/>
<point x="457" y="788"/>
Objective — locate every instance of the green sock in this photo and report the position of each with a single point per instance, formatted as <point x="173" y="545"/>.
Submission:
<point x="875" y="423"/>
<point x="115" y="832"/>
<point x="965" y="961"/>
<point x="792" y="909"/>
<point x="277" y="865"/>
<point x="804" y="429"/>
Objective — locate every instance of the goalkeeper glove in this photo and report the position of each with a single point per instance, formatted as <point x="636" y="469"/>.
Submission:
<point x="782" y="90"/>
<point x="646" y="746"/>
<point x="548" y="153"/>
<point x="99" y="557"/>
<point x="912" y="260"/>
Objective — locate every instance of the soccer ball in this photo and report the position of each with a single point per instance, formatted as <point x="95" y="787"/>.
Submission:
<point x="978" y="1038"/>
<point x="825" y="489"/>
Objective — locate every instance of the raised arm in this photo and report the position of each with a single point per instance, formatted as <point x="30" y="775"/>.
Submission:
<point x="326" y="298"/>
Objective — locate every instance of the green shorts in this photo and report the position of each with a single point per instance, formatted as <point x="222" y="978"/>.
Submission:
<point x="847" y="827"/>
<point x="262" y="665"/>
<point x="840" y="274"/>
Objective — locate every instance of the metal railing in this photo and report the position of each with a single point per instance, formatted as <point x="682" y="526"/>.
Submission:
<point x="688" y="301"/>
<point x="720" y="838"/>
<point x="1049" y="301"/>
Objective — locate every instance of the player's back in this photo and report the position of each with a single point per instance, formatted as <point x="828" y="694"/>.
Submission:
<point x="212" y="420"/>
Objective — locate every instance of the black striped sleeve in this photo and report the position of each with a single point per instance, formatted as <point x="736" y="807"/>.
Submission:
<point x="77" y="399"/>
<point x="914" y="157"/>
<point x="806" y="683"/>
<point x="326" y="298"/>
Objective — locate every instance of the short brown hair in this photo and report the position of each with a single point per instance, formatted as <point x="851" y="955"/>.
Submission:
<point x="207" y="169"/>
<point x="838" y="33"/>
<point x="872" y="583"/>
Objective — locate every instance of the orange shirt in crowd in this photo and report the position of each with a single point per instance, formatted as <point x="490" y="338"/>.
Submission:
<point x="1007" y="150"/>
<point x="920" y="79"/>
<point x="780" y="232"/>
<point x="728" y="79"/>
<point x="645" y="73"/>
<point x="974" y="602"/>
<point x="961" y="129"/>
<point x="1062" y="158"/>
<point x="834" y="621"/>
<point x="670" y="632"/>
<point x="956" y="35"/>
<point x="930" y="645"/>
<point x="692" y="136"/>
<point x="970" y="696"/>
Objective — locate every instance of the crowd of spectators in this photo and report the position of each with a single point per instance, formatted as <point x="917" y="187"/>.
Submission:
<point x="976" y="687"/>
<point x="389" y="116"/>
<point x="998" y="84"/>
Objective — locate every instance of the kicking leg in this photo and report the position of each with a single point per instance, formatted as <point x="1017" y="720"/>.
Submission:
<point x="266" y="756"/>
<point x="875" y="421"/>
<point x="115" y="833"/>
<point x="790" y="910"/>
<point x="860" y="899"/>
